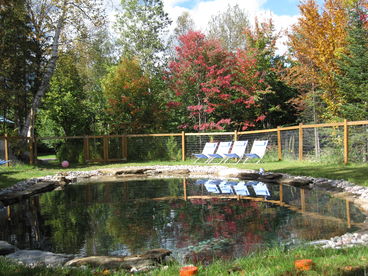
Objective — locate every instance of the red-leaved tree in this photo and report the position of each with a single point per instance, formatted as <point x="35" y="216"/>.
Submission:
<point x="213" y="89"/>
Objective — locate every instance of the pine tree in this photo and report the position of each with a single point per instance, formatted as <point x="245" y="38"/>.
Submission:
<point x="353" y="78"/>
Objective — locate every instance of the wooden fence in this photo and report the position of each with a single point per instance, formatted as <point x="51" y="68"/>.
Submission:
<point x="32" y="142"/>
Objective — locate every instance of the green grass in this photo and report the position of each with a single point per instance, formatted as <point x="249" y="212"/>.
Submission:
<point x="353" y="261"/>
<point x="355" y="173"/>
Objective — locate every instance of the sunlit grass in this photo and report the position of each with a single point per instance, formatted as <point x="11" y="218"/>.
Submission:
<point x="355" y="173"/>
<point x="276" y="261"/>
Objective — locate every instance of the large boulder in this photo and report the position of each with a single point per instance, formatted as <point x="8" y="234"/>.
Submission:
<point x="136" y="262"/>
<point x="6" y="248"/>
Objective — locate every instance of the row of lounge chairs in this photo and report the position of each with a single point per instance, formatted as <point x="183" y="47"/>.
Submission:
<point x="219" y="186"/>
<point x="232" y="150"/>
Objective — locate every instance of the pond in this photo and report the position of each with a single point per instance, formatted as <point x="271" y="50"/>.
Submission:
<point x="198" y="219"/>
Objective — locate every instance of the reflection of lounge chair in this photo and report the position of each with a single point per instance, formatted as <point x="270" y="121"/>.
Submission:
<point x="223" y="148"/>
<point x="241" y="189"/>
<point x="209" y="148"/>
<point x="261" y="189"/>
<point x="2" y="162"/>
<point x="237" y="151"/>
<point x="258" y="150"/>
<point x="226" y="187"/>
<point x="212" y="186"/>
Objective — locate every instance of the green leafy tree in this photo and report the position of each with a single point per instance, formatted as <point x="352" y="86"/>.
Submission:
<point x="19" y="62"/>
<point x="353" y="78"/>
<point x="142" y="26"/>
<point x="131" y="106"/>
<point x="55" y="23"/>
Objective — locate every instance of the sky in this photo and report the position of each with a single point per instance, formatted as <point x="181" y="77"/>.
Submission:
<point x="283" y="12"/>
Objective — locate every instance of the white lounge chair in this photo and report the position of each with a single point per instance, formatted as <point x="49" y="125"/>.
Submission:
<point x="237" y="151"/>
<point x="212" y="186"/>
<point x="223" y="148"/>
<point x="241" y="189"/>
<point x="261" y="189"/>
<point x="226" y="187"/>
<point x="209" y="148"/>
<point x="258" y="150"/>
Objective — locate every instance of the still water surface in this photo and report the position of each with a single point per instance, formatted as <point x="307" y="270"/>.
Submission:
<point x="198" y="219"/>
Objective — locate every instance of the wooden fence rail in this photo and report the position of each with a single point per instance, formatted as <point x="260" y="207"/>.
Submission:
<point x="32" y="141"/>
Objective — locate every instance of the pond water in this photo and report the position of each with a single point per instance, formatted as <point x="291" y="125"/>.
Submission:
<point x="198" y="219"/>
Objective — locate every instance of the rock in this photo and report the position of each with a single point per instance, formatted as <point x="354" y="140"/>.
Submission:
<point x="295" y="181"/>
<point x="270" y="177"/>
<point x="6" y="248"/>
<point x="179" y="171"/>
<point x="37" y="257"/>
<point x="248" y="175"/>
<point x="138" y="262"/>
<point x="40" y="187"/>
<point x="231" y="172"/>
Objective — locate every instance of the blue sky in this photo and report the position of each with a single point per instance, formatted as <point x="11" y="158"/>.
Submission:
<point x="279" y="7"/>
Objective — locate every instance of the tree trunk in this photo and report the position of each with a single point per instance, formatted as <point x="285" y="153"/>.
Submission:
<point x="27" y="129"/>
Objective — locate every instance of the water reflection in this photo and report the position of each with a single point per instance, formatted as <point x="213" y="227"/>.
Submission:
<point x="198" y="219"/>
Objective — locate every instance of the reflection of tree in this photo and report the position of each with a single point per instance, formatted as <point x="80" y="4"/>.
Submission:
<point x="66" y="219"/>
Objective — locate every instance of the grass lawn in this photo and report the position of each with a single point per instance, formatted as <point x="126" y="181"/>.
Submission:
<point x="355" y="173"/>
<point x="353" y="261"/>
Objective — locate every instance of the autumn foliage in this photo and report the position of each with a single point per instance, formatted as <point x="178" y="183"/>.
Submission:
<point x="213" y="88"/>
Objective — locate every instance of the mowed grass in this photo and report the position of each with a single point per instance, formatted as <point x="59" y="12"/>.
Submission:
<point x="355" y="173"/>
<point x="276" y="261"/>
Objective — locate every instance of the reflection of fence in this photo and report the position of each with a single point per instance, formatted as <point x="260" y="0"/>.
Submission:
<point x="345" y="141"/>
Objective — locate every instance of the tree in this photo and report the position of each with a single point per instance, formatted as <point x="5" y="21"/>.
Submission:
<point x="274" y="103"/>
<point x="353" y="77"/>
<point x="131" y="106"/>
<point x="212" y="88"/>
<point x="229" y="27"/>
<point x="19" y="61"/>
<point x="316" y="42"/>
<point x="54" y="21"/>
<point x="142" y="27"/>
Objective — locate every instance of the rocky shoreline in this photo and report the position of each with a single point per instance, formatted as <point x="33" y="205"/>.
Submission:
<point x="339" y="188"/>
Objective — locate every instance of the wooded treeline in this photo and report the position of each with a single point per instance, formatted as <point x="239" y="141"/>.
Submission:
<point x="64" y="71"/>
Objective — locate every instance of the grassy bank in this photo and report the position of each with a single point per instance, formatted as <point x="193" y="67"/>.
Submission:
<point x="355" y="173"/>
<point x="353" y="261"/>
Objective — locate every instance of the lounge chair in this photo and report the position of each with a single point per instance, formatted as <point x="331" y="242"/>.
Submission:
<point x="237" y="151"/>
<point x="261" y="189"/>
<point x="241" y="189"/>
<point x="3" y="162"/>
<point x="212" y="186"/>
<point x="226" y="187"/>
<point x="223" y="148"/>
<point x="258" y="150"/>
<point x="209" y="148"/>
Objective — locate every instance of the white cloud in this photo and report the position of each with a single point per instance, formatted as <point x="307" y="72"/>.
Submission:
<point x="202" y="11"/>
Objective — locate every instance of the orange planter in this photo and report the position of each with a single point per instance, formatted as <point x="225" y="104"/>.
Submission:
<point x="303" y="265"/>
<point x="188" y="270"/>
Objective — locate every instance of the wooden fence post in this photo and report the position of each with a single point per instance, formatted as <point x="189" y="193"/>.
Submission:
<point x="86" y="148"/>
<point x="279" y="143"/>
<point x="346" y="142"/>
<point x="6" y="149"/>
<point x="300" y="142"/>
<point x="125" y="147"/>
<point x="105" y="148"/>
<point x="183" y="146"/>
<point x="235" y="135"/>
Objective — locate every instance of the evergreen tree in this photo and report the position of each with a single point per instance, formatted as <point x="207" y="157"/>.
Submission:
<point x="353" y="79"/>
